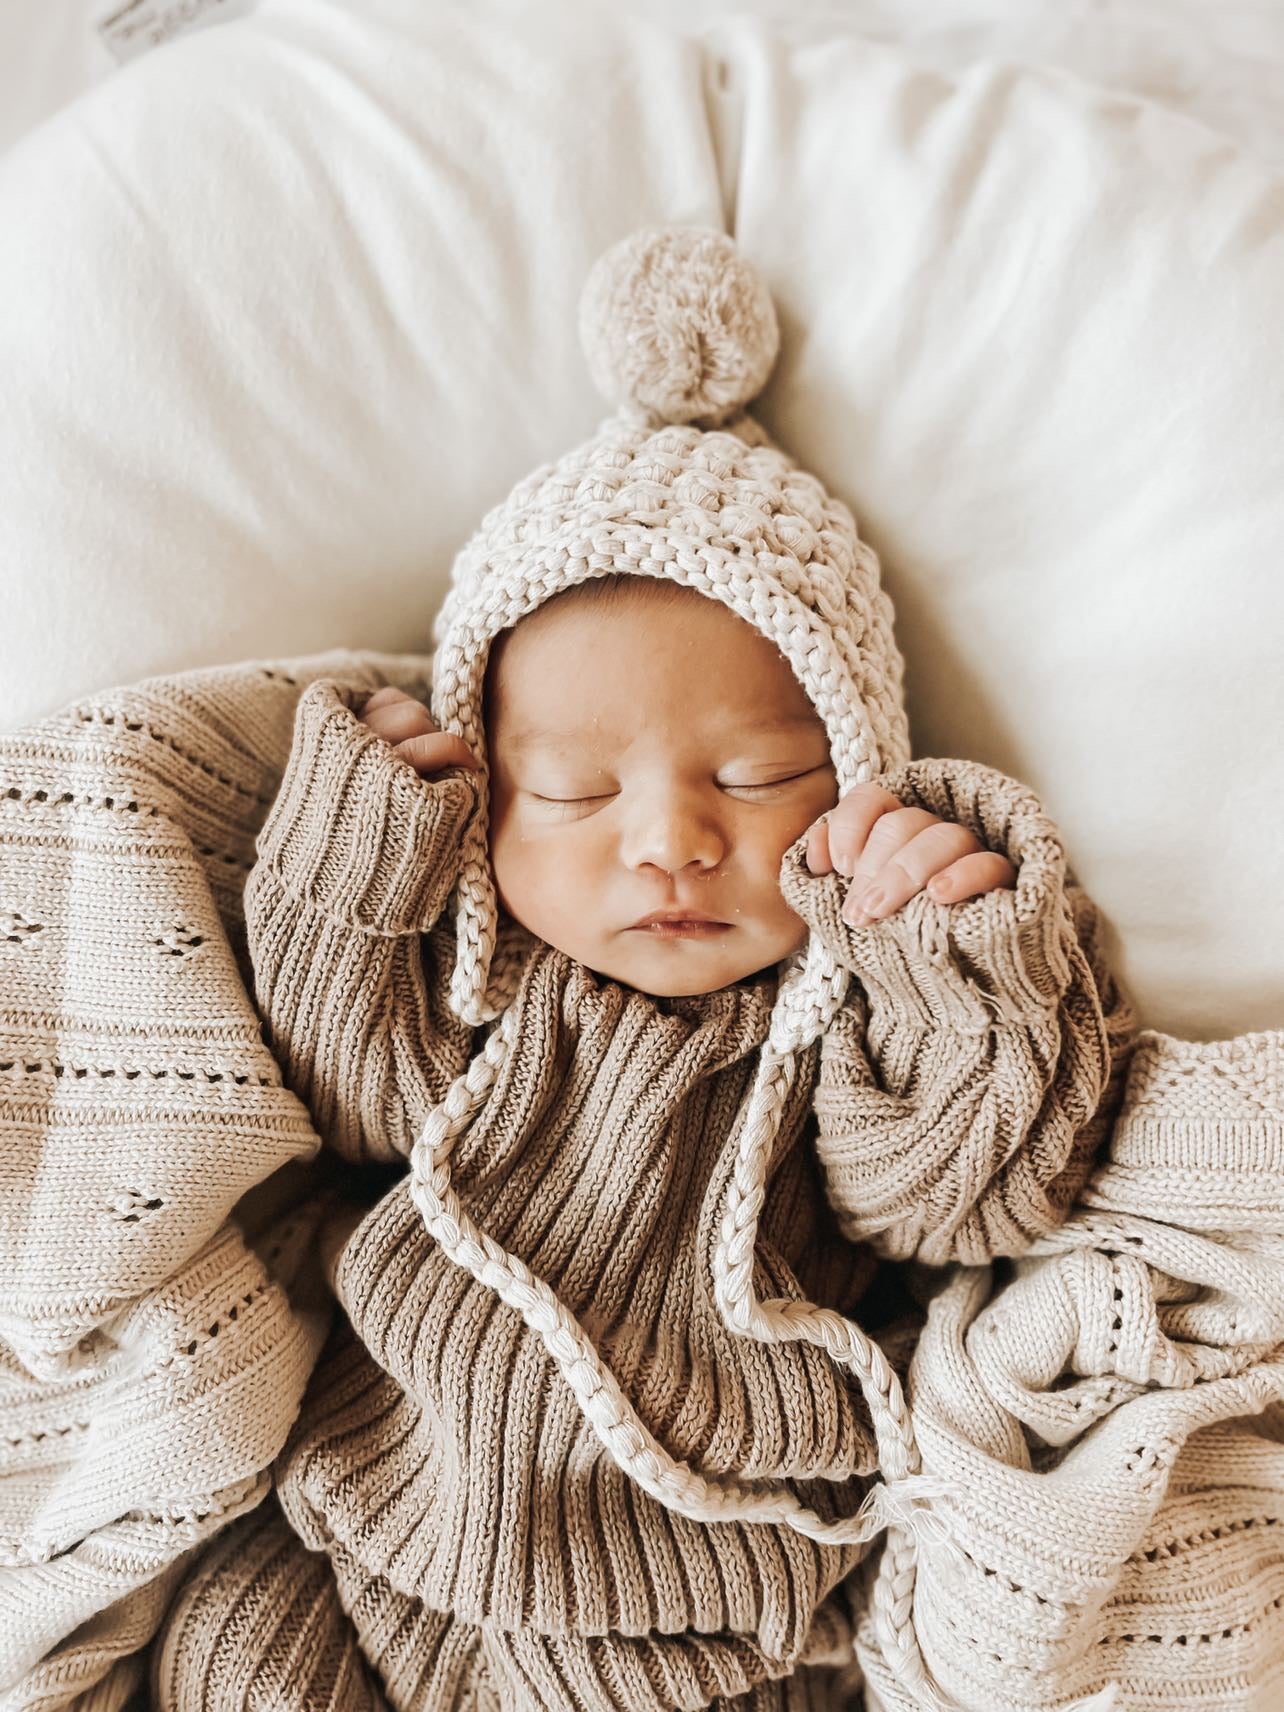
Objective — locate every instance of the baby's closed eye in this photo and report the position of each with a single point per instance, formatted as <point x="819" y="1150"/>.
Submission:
<point x="604" y="796"/>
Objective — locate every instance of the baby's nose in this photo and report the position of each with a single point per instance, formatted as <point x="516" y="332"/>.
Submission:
<point x="673" y="832"/>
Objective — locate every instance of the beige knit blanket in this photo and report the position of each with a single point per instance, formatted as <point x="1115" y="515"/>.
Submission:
<point x="1112" y="1419"/>
<point x="1106" y="1415"/>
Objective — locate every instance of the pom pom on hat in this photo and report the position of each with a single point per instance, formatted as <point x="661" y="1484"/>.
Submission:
<point x="675" y="320"/>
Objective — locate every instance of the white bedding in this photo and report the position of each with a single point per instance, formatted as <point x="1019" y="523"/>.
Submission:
<point x="288" y="303"/>
<point x="1218" y="60"/>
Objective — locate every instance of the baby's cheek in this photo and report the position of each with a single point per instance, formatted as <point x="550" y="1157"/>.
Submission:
<point x="538" y="878"/>
<point x="511" y="864"/>
<point x="786" y="931"/>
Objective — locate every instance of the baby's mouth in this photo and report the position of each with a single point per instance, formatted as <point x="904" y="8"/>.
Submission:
<point x="683" y="930"/>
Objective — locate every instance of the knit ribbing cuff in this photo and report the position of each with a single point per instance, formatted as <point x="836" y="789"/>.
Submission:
<point x="1002" y="956"/>
<point x="354" y="831"/>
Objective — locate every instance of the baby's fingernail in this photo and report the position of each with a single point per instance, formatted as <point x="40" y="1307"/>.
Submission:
<point x="853" y="903"/>
<point x="862" y="906"/>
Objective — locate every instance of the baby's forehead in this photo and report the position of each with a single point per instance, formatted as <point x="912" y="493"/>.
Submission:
<point x="532" y="733"/>
<point x="605" y="662"/>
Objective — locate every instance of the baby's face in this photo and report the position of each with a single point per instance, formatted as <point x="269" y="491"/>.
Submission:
<point x="650" y="753"/>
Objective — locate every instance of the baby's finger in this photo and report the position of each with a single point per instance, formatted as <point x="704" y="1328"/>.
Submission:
<point x="851" y="821"/>
<point x="929" y="845"/>
<point x="381" y="698"/>
<point x="984" y="871"/>
<point x="396" y="720"/>
<point x="434" y="751"/>
<point x="888" y="836"/>
<point x="817" y="853"/>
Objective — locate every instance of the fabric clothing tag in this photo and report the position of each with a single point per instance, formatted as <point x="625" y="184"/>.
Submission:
<point x="130" y="27"/>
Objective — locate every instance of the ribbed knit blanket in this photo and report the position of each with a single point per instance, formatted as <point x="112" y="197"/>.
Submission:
<point x="1103" y="1415"/>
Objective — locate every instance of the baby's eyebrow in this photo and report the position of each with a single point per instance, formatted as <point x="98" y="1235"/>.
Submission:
<point x="565" y="741"/>
<point x="561" y="741"/>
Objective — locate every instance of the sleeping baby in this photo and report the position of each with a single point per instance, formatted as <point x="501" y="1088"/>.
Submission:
<point x="685" y="1007"/>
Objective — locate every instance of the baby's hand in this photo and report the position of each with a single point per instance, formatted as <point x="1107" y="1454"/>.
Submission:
<point x="891" y="852"/>
<point x="407" y="725"/>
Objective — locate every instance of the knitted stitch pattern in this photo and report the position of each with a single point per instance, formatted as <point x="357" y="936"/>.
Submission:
<point x="152" y="1358"/>
<point x="1110" y="1422"/>
<point x="682" y="484"/>
<point x="1201" y="1133"/>
<point x="503" y="1524"/>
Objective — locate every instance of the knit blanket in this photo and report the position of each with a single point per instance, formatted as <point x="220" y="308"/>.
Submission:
<point x="1103" y="1418"/>
<point x="1106" y="1413"/>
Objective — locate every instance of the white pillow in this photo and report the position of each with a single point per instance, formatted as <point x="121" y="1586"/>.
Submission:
<point x="1222" y="62"/>
<point x="1032" y="333"/>
<point x="286" y="305"/>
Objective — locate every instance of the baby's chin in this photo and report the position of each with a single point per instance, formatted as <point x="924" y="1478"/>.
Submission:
<point x="658" y="990"/>
<point x="677" y="969"/>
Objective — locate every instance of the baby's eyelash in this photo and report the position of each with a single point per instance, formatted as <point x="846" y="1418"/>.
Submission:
<point x="771" y="784"/>
<point x="604" y="796"/>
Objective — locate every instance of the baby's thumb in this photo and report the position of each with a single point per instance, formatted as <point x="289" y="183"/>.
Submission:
<point x="435" y="752"/>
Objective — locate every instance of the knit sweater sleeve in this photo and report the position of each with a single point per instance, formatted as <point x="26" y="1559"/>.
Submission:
<point x="965" y="1086"/>
<point x="343" y="908"/>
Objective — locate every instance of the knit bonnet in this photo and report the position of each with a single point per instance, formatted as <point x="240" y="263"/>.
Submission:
<point x="679" y="483"/>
